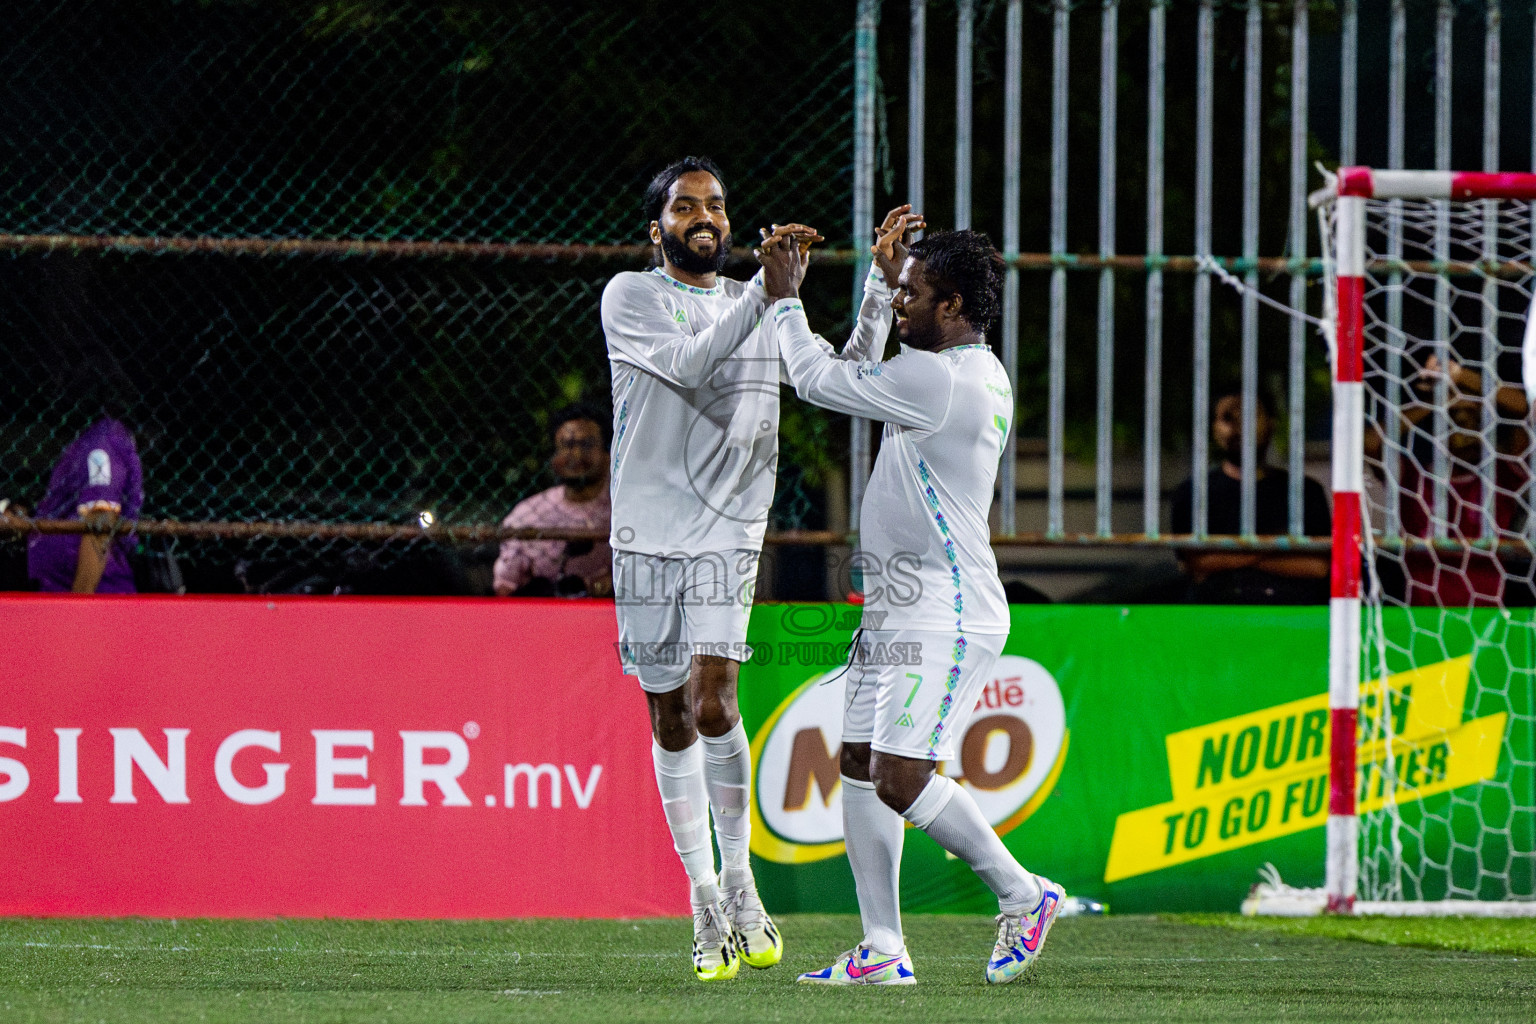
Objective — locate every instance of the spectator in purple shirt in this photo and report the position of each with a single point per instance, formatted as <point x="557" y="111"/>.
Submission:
<point x="98" y="478"/>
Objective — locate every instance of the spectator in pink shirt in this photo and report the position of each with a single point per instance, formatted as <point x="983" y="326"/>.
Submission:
<point x="541" y="568"/>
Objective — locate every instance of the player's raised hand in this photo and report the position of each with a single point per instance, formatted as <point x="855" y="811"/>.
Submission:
<point x="802" y="237"/>
<point x="783" y="268"/>
<point x="892" y="238"/>
<point x="803" y="234"/>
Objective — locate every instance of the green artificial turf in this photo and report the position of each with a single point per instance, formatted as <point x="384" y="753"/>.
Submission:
<point x="1513" y="937"/>
<point x="1093" y="969"/>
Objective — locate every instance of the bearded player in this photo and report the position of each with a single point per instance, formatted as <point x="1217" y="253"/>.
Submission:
<point x="946" y="404"/>
<point x="695" y="446"/>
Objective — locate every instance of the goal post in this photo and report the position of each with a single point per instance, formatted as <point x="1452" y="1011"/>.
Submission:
<point x="1432" y="634"/>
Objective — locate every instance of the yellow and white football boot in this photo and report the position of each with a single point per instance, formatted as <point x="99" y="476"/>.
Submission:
<point x="757" y="937"/>
<point x="714" y="945"/>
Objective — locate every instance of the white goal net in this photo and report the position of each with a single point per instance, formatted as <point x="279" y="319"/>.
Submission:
<point x="1444" y="678"/>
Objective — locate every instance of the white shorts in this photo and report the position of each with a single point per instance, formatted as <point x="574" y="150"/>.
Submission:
<point x="911" y="692"/>
<point x="671" y="609"/>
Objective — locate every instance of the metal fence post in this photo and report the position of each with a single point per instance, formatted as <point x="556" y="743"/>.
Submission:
<point x="1200" y="429"/>
<point x="917" y="86"/>
<point x="1056" y="428"/>
<point x="1397" y="86"/>
<point x="1152" y="449"/>
<point x="1013" y="72"/>
<point x="1296" y="408"/>
<point x="1349" y="75"/>
<point x="1252" y="61"/>
<point x="965" y="27"/>
<point x="1492" y="65"/>
<point x="864" y="59"/>
<point x="1109" y="68"/>
<point x="1530" y="521"/>
<point x="1445" y="13"/>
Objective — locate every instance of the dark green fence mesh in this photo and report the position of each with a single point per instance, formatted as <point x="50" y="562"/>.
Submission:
<point x="330" y="385"/>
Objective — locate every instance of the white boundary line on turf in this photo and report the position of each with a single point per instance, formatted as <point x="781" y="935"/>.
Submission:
<point x="514" y="954"/>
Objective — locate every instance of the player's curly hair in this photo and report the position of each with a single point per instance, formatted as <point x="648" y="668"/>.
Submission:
<point x="967" y="264"/>
<point x="656" y="191"/>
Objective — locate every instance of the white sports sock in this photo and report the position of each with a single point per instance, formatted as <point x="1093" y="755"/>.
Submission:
<point x="680" y="779"/>
<point x="948" y="814"/>
<point x="728" y="779"/>
<point x="875" y="833"/>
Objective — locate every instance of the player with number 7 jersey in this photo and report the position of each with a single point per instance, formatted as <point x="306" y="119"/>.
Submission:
<point x="947" y="406"/>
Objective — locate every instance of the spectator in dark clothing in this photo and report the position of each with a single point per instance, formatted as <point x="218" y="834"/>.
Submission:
<point x="98" y="478"/>
<point x="1252" y="577"/>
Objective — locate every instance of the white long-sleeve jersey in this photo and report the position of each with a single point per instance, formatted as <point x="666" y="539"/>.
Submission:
<point x="696" y="409"/>
<point x="923" y="529"/>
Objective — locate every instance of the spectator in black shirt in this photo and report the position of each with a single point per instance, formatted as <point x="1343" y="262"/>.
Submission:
<point x="1252" y="577"/>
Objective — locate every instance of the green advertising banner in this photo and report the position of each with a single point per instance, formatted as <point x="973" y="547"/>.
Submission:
<point x="1153" y="757"/>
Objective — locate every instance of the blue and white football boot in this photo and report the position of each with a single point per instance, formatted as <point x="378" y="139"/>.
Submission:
<point x="1020" y="937"/>
<point x="863" y="966"/>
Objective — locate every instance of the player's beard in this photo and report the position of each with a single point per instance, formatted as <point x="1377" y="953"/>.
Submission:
<point x="689" y="262"/>
<point x="925" y="337"/>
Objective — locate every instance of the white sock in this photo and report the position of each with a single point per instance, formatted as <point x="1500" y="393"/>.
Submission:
<point x="949" y="815"/>
<point x="728" y="780"/>
<point x="680" y="779"/>
<point x="875" y="833"/>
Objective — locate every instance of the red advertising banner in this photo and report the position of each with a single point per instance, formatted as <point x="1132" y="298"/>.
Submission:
<point x="346" y="757"/>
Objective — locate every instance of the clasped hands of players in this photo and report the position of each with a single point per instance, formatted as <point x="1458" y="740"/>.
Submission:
<point x="784" y="264"/>
<point x="785" y="253"/>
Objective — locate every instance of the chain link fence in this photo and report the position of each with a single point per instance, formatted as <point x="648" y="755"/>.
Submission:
<point x="340" y="262"/>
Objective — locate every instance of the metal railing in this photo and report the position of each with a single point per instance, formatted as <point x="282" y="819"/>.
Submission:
<point x="1244" y="34"/>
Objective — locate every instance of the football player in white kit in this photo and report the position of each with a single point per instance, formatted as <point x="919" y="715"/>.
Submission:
<point x="695" y="444"/>
<point x="947" y="405"/>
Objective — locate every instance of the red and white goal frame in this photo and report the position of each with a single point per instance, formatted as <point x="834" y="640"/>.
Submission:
<point x="1350" y="190"/>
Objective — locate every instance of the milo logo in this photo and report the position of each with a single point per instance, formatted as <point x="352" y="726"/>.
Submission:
<point x="1009" y="759"/>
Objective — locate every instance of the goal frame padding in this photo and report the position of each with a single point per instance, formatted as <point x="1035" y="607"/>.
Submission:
<point x="1351" y="187"/>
